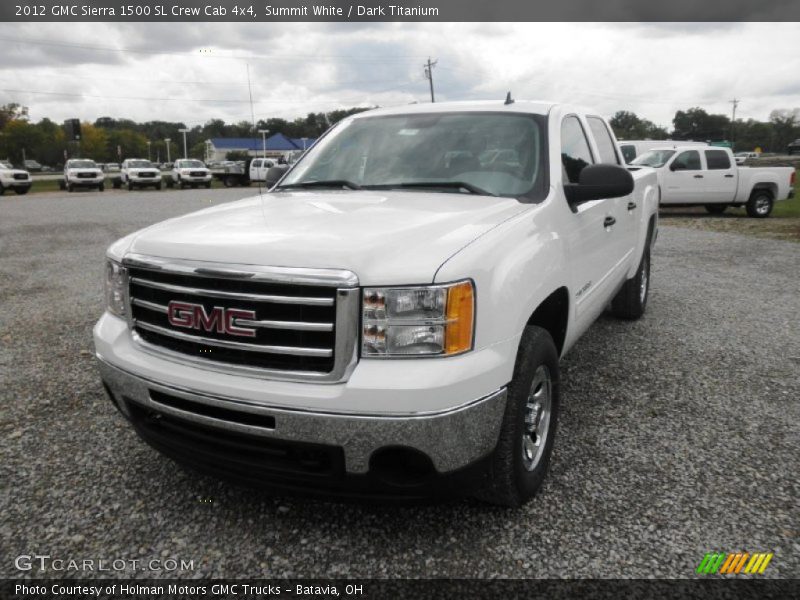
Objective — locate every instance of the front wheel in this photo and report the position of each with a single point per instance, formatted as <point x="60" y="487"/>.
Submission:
<point x="523" y="452"/>
<point x="716" y="209"/>
<point x="759" y="206"/>
<point x="631" y="301"/>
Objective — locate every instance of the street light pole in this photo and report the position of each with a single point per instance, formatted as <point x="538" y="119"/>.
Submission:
<point x="263" y="133"/>
<point x="304" y="143"/>
<point x="184" y="132"/>
<point x="167" y="141"/>
<point x="148" y="150"/>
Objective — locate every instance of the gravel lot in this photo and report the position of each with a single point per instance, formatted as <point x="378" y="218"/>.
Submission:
<point x="679" y="433"/>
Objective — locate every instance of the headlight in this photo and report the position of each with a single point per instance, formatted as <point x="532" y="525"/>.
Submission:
<point x="434" y="320"/>
<point x="115" y="288"/>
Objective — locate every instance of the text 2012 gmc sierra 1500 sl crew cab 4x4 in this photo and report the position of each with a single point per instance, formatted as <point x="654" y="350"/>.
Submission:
<point x="710" y="176"/>
<point x="388" y="320"/>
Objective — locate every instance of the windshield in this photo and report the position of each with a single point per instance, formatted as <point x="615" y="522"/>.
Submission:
<point x="653" y="158"/>
<point x="480" y="152"/>
<point x="189" y="164"/>
<point x="81" y="164"/>
<point x="136" y="164"/>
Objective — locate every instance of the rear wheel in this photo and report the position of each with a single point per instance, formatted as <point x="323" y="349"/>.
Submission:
<point x="229" y="181"/>
<point x="522" y="455"/>
<point x="716" y="209"/>
<point x="2" y="189"/>
<point x="631" y="301"/>
<point x="760" y="204"/>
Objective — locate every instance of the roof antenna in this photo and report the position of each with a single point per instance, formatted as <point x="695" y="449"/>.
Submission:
<point x="509" y="99"/>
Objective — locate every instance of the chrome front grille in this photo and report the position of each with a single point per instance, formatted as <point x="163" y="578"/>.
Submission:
<point x="298" y="324"/>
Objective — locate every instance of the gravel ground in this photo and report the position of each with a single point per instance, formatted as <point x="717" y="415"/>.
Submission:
<point x="679" y="433"/>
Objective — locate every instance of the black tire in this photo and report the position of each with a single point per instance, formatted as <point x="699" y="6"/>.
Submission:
<point x="170" y="183"/>
<point x="157" y="186"/>
<point x="116" y="184"/>
<point x="70" y="189"/>
<point x="229" y="181"/>
<point x="208" y="185"/>
<point x="130" y="186"/>
<point x="759" y="206"/>
<point x="20" y="191"/>
<point x="101" y="187"/>
<point x="716" y="209"/>
<point x="512" y="482"/>
<point x="631" y="301"/>
<point x="62" y="185"/>
<point x="2" y="189"/>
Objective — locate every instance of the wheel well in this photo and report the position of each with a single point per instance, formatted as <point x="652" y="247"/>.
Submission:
<point x="553" y="315"/>
<point x="766" y="187"/>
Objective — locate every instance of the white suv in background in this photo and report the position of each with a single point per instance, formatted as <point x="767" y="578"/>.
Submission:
<point x="14" y="179"/>
<point x="139" y="172"/>
<point x="82" y="172"/>
<point x="189" y="171"/>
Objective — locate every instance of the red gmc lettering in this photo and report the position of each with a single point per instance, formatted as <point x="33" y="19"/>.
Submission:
<point x="219" y="319"/>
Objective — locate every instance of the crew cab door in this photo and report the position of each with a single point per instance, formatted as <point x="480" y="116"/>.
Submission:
<point x="683" y="178"/>
<point x="590" y="231"/>
<point x="719" y="176"/>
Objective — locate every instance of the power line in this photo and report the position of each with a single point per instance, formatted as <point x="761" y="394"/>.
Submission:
<point x="429" y="74"/>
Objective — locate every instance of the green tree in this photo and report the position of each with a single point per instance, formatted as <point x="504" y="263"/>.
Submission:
<point x="696" y="124"/>
<point x="20" y="140"/>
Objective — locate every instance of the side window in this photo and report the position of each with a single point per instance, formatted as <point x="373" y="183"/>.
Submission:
<point x="628" y="152"/>
<point x="687" y="161"/>
<point x="717" y="159"/>
<point x="605" y="143"/>
<point x="575" y="152"/>
<point x="256" y="163"/>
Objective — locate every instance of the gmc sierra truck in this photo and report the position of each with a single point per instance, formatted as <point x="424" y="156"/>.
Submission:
<point x="388" y="320"/>
<point x="14" y="179"/>
<point x="710" y="176"/>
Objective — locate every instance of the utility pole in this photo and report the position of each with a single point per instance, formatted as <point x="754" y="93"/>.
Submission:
<point x="184" y="132"/>
<point x="735" y="103"/>
<point x="429" y="74"/>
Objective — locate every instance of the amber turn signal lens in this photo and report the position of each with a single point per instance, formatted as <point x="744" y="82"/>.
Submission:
<point x="460" y="318"/>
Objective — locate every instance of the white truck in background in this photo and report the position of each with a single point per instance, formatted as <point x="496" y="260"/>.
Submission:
<point x="388" y="320"/>
<point x="82" y="173"/>
<point x="18" y="180"/>
<point x="138" y="173"/>
<point x="189" y="172"/>
<point x="709" y="176"/>
<point x="632" y="148"/>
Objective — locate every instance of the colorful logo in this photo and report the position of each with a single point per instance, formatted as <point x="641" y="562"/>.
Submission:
<point x="734" y="564"/>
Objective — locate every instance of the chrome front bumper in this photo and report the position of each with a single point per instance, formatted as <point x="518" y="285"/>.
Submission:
<point x="452" y="439"/>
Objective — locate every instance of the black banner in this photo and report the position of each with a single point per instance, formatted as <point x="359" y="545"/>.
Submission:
<point x="396" y="10"/>
<point x="374" y="589"/>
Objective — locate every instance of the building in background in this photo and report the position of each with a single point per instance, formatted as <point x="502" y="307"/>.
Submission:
<point x="276" y="145"/>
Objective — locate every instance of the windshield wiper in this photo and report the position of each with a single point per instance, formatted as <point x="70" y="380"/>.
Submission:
<point x="457" y="185"/>
<point x="333" y="183"/>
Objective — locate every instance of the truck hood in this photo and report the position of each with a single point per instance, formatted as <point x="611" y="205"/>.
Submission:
<point x="393" y="237"/>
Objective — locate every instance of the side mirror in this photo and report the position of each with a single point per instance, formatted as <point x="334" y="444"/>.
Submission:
<point x="597" y="182"/>
<point x="676" y="166"/>
<point x="274" y="174"/>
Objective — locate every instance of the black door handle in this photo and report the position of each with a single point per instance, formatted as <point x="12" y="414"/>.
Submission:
<point x="729" y="176"/>
<point x="631" y="205"/>
<point x="609" y="222"/>
<point x="698" y="176"/>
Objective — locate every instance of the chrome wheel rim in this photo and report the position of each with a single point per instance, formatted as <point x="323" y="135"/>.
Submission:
<point x="645" y="280"/>
<point x="762" y="205"/>
<point x="537" y="418"/>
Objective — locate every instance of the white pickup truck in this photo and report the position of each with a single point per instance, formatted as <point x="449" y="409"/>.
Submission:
<point x="709" y="176"/>
<point x="388" y="320"/>
<point x="14" y="179"/>
<point x="82" y="173"/>
<point x="189" y="172"/>
<point x="138" y="173"/>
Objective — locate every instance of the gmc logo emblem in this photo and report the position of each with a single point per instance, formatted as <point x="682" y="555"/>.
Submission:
<point x="220" y="319"/>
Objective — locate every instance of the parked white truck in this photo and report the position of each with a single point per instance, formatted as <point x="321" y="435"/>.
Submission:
<point x="138" y="173"/>
<point x="82" y="173"/>
<point x="14" y="179"/>
<point x="709" y="176"/>
<point x="189" y="172"/>
<point x="380" y="324"/>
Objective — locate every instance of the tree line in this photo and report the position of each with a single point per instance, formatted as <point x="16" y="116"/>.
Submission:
<point x="696" y="124"/>
<point x="46" y="140"/>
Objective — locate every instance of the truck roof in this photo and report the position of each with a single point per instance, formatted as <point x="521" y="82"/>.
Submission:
<point x="519" y="106"/>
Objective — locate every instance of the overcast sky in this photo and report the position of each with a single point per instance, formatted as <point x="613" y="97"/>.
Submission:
<point x="195" y="72"/>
